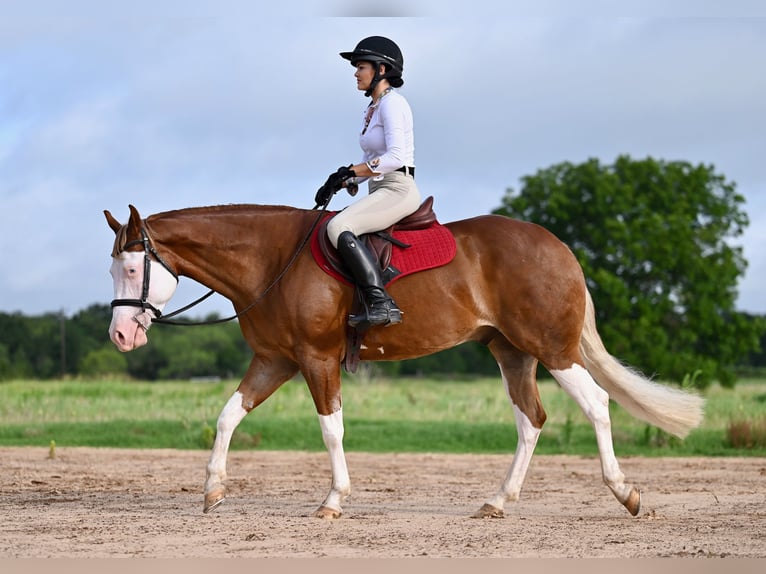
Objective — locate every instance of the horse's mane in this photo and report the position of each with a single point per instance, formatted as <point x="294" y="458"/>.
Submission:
<point x="226" y="209"/>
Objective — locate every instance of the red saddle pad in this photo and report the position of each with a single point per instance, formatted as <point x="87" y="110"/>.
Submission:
<point x="430" y="247"/>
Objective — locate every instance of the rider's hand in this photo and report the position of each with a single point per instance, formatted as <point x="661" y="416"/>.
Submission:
<point x="333" y="184"/>
<point x="352" y="187"/>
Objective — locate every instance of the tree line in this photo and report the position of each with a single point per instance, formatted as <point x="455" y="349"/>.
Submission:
<point x="51" y="346"/>
<point x="656" y="240"/>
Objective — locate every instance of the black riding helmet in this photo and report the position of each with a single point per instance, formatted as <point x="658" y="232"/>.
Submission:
<point x="379" y="50"/>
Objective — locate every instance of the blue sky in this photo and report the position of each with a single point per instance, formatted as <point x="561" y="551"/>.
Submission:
<point x="177" y="104"/>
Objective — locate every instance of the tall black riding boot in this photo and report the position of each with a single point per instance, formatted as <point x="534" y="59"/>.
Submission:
<point x="380" y="308"/>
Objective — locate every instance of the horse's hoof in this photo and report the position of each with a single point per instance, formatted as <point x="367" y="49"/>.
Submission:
<point x="633" y="504"/>
<point x="327" y="513"/>
<point x="489" y="511"/>
<point x="213" y="500"/>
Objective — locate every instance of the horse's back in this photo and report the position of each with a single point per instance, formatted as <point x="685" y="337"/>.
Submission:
<point x="502" y="245"/>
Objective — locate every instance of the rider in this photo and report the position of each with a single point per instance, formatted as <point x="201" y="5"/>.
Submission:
<point x="388" y="164"/>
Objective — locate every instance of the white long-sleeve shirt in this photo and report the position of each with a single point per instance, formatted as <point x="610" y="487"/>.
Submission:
<point x="388" y="142"/>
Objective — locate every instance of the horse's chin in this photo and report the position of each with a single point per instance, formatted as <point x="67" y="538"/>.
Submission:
<point x="140" y="339"/>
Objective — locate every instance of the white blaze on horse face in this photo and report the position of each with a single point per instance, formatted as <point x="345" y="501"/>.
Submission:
<point x="128" y="328"/>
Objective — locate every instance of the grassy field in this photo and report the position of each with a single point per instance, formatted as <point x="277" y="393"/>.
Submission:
<point x="415" y="415"/>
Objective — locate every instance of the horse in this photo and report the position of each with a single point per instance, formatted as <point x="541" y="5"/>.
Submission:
<point x="512" y="286"/>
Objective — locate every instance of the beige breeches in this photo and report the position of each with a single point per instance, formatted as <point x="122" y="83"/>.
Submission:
<point x="389" y="200"/>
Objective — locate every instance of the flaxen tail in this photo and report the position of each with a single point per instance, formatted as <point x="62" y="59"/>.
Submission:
<point x="673" y="410"/>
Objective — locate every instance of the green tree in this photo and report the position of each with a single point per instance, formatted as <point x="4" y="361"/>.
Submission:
<point x="757" y="359"/>
<point x="654" y="239"/>
<point x="182" y="352"/>
<point x="6" y="367"/>
<point x="15" y="338"/>
<point x="44" y="351"/>
<point x="469" y="358"/>
<point x="86" y="333"/>
<point x="104" y="361"/>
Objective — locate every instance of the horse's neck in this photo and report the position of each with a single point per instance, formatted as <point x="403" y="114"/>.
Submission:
<point x="234" y="249"/>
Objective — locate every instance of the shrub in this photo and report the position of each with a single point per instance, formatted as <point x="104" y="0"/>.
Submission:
<point x="747" y="434"/>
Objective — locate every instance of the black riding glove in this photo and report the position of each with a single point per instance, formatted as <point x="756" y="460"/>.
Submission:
<point x="333" y="184"/>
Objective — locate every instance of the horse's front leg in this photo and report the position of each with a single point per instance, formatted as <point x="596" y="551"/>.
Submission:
<point x="332" y="433"/>
<point x="231" y="415"/>
<point x="261" y="380"/>
<point x="323" y="378"/>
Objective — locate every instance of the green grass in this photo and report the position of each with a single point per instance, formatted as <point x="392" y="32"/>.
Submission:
<point x="383" y="416"/>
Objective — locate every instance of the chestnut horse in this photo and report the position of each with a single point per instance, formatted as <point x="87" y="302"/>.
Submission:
<point x="512" y="285"/>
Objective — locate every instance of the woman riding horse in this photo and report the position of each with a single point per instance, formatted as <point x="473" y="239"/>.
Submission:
<point x="388" y="164"/>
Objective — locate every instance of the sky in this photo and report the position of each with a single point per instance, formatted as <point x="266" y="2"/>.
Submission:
<point x="166" y="105"/>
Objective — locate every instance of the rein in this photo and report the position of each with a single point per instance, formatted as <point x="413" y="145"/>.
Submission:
<point x="166" y="319"/>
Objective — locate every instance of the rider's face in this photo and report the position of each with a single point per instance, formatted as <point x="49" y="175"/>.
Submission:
<point x="364" y="74"/>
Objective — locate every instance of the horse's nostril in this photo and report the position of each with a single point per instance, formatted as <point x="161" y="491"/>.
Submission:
<point x="119" y="338"/>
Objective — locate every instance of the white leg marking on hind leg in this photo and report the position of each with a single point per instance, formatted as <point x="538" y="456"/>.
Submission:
<point x="332" y="434"/>
<point x="528" y="435"/>
<point x="231" y="415"/>
<point x="594" y="401"/>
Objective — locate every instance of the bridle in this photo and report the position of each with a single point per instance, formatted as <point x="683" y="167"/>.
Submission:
<point x="145" y="306"/>
<point x="143" y="302"/>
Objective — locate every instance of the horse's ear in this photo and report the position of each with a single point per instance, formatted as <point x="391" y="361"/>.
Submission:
<point x="113" y="223"/>
<point x="134" y="224"/>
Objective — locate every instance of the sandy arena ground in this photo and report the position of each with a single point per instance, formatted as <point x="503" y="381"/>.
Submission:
<point x="106" y="503"/>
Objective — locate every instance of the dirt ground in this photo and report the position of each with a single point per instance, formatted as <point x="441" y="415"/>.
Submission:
<point x="107" y="503"/>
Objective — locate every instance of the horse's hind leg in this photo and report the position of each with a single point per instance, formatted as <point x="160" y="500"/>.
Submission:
<point x="519" y="377"/>
<point x="263" y="377"/>
<point x="594" y="401"/>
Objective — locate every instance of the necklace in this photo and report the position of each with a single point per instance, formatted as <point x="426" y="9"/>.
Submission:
<point x="371" y="108"/>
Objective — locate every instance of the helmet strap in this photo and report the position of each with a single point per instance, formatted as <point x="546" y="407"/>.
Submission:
<point x="375" y="79"/>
